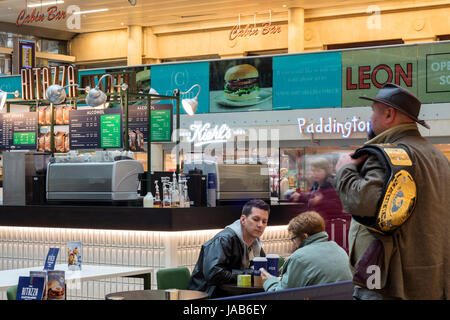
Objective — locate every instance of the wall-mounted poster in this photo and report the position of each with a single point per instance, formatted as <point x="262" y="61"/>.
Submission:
<point x="434" y="73"/>
<point x="240" y="85"/>
<point x="167" y="77"/>
<point x="365" y="71"/>
<point x="307" y="81"/>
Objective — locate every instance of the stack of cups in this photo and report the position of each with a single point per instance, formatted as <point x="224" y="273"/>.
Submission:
<point x="272" y="264"/>
<point x="258" y="263"/>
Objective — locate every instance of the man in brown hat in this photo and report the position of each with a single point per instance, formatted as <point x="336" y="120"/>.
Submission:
<point x="412" y="262"/>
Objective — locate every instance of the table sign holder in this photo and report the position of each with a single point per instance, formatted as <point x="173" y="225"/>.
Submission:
<point x="50" y="261"/>
<point x="30" y="288"/>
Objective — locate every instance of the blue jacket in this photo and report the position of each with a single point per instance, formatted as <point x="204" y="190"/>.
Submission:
<point x="316" y="261"/>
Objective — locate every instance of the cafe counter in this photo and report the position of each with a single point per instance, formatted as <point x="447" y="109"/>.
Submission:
<point x="123" y="236"/>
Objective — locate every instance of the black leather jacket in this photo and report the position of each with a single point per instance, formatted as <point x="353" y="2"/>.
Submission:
<point x="219" y="262"/>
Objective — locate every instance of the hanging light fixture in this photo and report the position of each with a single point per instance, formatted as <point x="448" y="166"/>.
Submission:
<point x="97" y="97"/>
<point x="56" y="94"/>
<point x="153" y="91"/>
<point x="190" y="105"/>
<point x="4" y="95"/>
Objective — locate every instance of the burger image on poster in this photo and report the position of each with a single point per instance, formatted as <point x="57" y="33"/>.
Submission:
<point x="241" y="83"/>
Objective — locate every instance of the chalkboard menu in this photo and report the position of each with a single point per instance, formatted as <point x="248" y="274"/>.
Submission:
<point x="162" y="124"/>
<point x="18" y="131"/>
<point x="95" y="129"/>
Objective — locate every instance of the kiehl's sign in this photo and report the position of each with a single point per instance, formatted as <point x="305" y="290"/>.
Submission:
<point x="52" y="14"/>
<point x="35" y="81"/>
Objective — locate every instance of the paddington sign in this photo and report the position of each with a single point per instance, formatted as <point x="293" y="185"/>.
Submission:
<point x="333" y="126"/>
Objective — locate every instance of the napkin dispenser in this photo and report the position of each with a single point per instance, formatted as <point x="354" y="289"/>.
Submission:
<point x="93" y="181"/>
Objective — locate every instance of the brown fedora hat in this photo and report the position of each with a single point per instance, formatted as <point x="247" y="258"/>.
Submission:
<point x="401" y="99"/>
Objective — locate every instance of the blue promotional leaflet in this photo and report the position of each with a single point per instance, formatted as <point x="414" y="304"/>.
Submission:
<point x="51" y="259"/>
<point x="30" y="288"/>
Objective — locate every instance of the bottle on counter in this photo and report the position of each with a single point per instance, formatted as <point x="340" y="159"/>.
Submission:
<point x="187" y="201"/>
<point x="211" y="200"/>
<point x="157" y="200"/>
<point x="166" y="199"/>
<point x="175" y="192"/>
<point x="148" y="200"/>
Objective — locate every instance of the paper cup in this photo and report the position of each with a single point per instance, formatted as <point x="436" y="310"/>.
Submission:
<point x="272" y="263"/>
<point x="258" y="263"/>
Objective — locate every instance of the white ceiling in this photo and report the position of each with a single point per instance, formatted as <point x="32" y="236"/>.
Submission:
<point x="165" y="13"/>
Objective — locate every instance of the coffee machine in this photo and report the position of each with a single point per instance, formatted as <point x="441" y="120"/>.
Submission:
<point x="196" y="183"/>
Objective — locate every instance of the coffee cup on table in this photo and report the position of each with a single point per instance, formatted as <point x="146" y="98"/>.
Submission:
<point x="258" y="263"/>
<point x="272" y="263"/>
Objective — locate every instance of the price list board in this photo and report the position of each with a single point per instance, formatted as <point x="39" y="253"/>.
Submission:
<point x="162" y="123"/>
<point x="18" y="131"/>
<point x="95" y="129"/>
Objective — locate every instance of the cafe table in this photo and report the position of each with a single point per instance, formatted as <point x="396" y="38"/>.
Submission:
<point x="88" y="272"/>
<point x="157" y="295"/>
<point x="234" y="290"/>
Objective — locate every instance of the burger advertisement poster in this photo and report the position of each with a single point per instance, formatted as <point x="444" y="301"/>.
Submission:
<point x="241" y="85"/>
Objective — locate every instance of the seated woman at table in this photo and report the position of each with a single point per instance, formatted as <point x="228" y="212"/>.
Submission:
<point x="315" y="260"/>
<point x="230" y="252"/>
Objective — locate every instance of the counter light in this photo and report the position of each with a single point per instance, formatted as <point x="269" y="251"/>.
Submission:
<point x="3" y="96"/>
<point x="56" y="94"/>
<point x="97" y="97"/>
<point x="190" y="105"/>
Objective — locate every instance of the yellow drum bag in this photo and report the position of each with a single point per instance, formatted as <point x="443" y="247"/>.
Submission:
<point x="399" y="190"/>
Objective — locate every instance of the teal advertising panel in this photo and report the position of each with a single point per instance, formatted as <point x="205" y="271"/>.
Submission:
<point x="11" y="84"/>
<point x="434" y="73"/>
<point x="307" y="81"/>
<point x="241" y="85"/>
<point x="365" y="71"/>
<point x="165" y="78"/>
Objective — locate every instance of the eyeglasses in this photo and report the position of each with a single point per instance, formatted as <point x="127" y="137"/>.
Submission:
<point x="293" y="240"/>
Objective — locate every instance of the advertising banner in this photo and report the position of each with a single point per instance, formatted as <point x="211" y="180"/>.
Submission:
<point x="182" y="76"/>
<point x="434" y="73"/>
<point x="365" y="71"/>
<point x="241" y="85"/>
<point x="307" y="81"/>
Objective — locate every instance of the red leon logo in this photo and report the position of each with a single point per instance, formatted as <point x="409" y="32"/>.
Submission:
<point x="53" y="14"/>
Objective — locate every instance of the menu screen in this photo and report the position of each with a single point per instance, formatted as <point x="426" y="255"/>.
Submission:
<point x="18" y="131"/>
<point x="95" y="129"/>
<point x="162" y="124"/>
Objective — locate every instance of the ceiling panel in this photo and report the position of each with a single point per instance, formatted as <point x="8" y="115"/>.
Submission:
<point x="160" y="13"/>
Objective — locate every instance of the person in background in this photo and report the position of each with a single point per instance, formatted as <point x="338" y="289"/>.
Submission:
<point x="231" y="251"/>
<point x="314" y="260"/>
<point x="413" y="261"/>
<point x="322" y="196"/>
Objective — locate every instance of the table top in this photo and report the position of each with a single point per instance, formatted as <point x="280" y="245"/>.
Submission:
<point x="157" y="295"/>
<point x="234" y="289"/>
<point x="9" y="278"/>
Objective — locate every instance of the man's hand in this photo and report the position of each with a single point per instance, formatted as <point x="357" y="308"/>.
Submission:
<point x="347" y="159"/>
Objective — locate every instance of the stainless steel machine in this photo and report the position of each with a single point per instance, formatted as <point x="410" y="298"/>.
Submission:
<point x="24" y="177"/>
<point x="93" y="181"/>
<point x="240" y="182"/>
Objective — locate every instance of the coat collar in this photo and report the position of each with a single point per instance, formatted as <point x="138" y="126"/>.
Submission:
<point x="395" y="133"/>
<point x="317" y="237"/>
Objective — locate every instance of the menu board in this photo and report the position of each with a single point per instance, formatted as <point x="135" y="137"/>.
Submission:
<point x="162" y="124"/>
<point x="95" y="129"/>
<point x="18" y="131"/>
